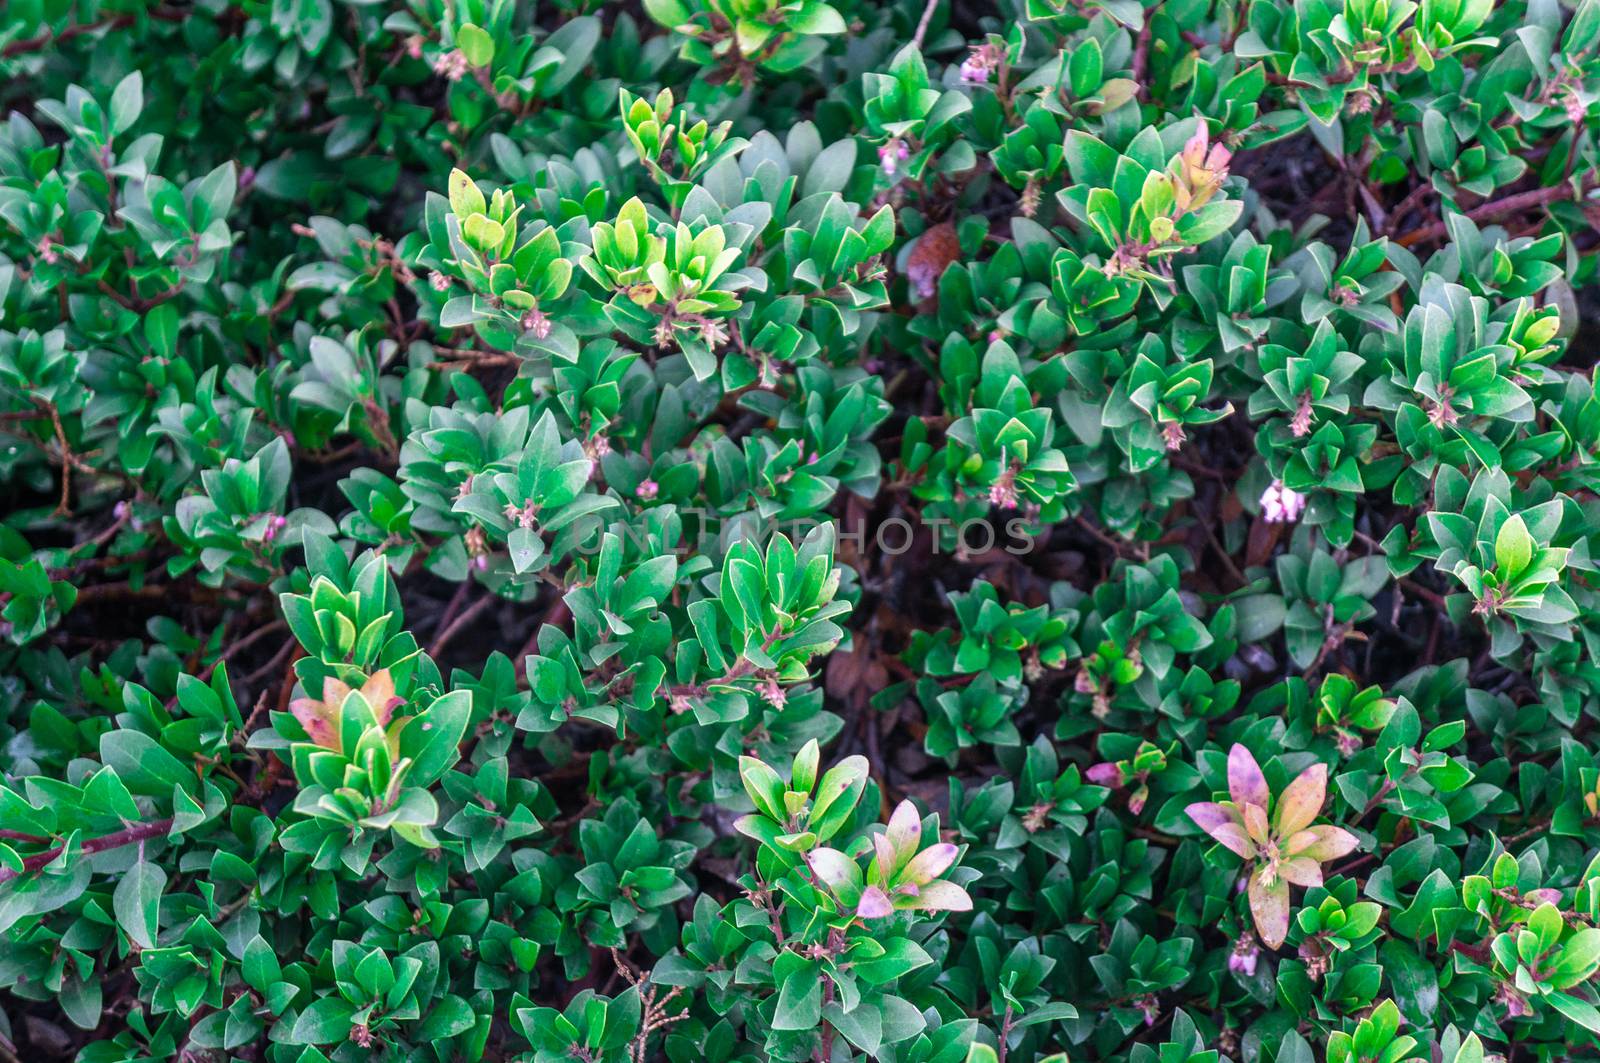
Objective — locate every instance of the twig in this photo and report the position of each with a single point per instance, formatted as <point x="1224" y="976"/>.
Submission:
<point x="49" y="37"/>
<point x="654" y="1008"/>
<point x="1412" y="201"/>
<point x="271" y="666"/>
<point x="241" y="645"/>
<point x="467" y="616"/>
<point x="457" y="600"/>
<point x="1523" y="835"/>
<point x="1534" y="197"/>
<point x="19" y="836"/>
<point x="1141" y="58"/>
<point x="233" y="907"/>
<point x="1507" y="893"/>
<point x="1377" y="799"/>
<point x="68" y="459"/>
<point x="922" y="24"/>
<point x="137" y="833"/>
<point x="1411" y="586"/>
<point x="121" y="590"/>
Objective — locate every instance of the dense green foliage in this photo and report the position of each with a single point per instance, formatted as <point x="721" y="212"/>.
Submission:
<point x="740" y="530"/>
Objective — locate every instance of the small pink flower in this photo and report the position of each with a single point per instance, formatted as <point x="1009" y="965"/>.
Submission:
<point x="451" y="65"/>
<point x="525" y="516"/>
<point x="536" y="323"/>
<point x="980" y="64"/>
<point x="713" y="333"/>
<point x="439" y="282"/>
<point x="891" y="155"/>
<point x="924" y="281"/>
<point x="1242" y="960"/>
<point x="1003" y="492"/>
<point x="664" y="331"/>
<point x="1300" y="423"/>
<point x="1281" y="505"/>
<point x="772" y="693"/>
<point x="647" y="490"/>
<point x="1574" y="107"/>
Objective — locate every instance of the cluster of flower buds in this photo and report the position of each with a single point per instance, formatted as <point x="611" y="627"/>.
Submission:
<point x="1199" y="171"/>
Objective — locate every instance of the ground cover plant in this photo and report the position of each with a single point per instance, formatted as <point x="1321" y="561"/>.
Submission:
<point x="738" y="530"/>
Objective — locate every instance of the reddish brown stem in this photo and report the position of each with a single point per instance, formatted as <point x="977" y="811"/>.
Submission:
<point x="19" y="836"/>
<point x="1141" y="58"/>
<point x="49" y="37"/>
<point x="466" y="617"/>
<point x="1496" y="208"/>
<point x="137" y="833"/>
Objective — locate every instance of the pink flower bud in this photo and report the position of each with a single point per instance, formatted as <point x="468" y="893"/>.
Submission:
<point x="1280" y="505"/>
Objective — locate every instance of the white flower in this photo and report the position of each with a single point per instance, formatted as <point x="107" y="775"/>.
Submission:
<point x="1280" y="505"/>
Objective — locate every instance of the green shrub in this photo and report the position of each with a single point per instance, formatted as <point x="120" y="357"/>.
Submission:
<point x="736" y="530"/>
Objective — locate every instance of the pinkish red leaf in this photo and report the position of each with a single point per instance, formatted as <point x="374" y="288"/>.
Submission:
<point x="1246" y="784"/>
<point x="838" y="872"/>
<point x="1106" y="773"/>
<point x="874" y="904"/>
<point x="320" y="718"/>
<point x="378" y="691"/>
<point x="1269" y="905"/>
<point x="930" y="863"/>
<point x="1300" y="801"/>
<point x="1255" y="824"/>
<point x="940" y="895"/>
<point x="904" y="834"/>
<point x="1326" y="842"/>
<point x="881" y="869"/>
<point x="1222" y="823"/>
<point x="1301" y="871"/>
